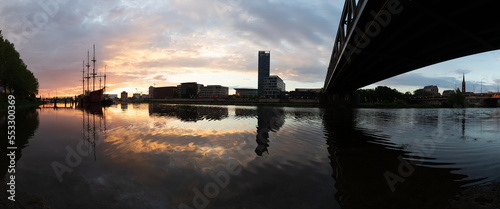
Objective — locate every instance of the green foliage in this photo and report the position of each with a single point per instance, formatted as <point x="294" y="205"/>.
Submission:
<point x="455" y="99"/>
<point x="14" y="74"/>
<point x="379" y="94"/>
<point x="422" y="93"/>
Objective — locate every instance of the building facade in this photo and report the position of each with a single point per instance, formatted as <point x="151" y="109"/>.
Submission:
<point x="163" y="92"/>
<point x="433" y="89"/>
<point x="263" y="69"/>
<point x="189" y="90"/>
<point x="214" y="91"/>
<point x="124" y="95"/>
<point x="273" y="86"/>
<point x="305" y="93"/>
<point x="246" y="92"/>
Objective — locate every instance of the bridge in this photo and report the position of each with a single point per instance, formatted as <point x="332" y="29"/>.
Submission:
<point x="380" y="39"/>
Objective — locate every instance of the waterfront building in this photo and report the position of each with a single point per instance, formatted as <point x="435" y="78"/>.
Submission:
<point x="447" y="92"/>
<point x="189" y="90"/>
<point x="163" y="92"/>
<point x="124" y="95"/>
<point x="273" y="86"/>
<point x="433" y="89"/>
<point x="136" y="95"/>
<point x="263" y="70"/>
<point x="246" y="92"/>
<point x="305" y="93"/>
<point x="214" y="91"/>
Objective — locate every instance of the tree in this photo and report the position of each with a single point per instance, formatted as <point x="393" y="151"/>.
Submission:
<point x="422" y="93"/>
<point x="455" y="99"/>
<point x="380" y="93"/>
<point x="14" y="74"/>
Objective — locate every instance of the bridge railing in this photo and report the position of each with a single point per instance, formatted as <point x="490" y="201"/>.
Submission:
<point x="348" y="20"/>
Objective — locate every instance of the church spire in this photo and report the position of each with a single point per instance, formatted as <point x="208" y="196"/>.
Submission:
<point x="463" y="83"/>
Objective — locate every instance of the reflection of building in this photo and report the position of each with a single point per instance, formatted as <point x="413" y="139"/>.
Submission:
<point x="124" y="95"/>
<point x="433" y="89"/>
<point x="163" y="92"/>
<point x="188" y="112"/>
<point x="189" y="90"/>
<point x="273" y="86"/>
<point x="268" y="119"/>
<point x="264" y="68"/>
<point x="246" y="92"/>
<point x="214" y="91"/>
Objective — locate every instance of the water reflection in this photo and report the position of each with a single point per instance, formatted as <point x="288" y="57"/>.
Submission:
<point x="269" y="119"/>
<point x="189" y="113"/>
<point x="92" y="133"/>
<point x="157" y="155"/>
<point x="27" y="122"/>
<point x="361" y="162"/>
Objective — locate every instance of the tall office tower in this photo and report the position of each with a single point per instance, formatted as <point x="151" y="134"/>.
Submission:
<point x="264" y="65"/>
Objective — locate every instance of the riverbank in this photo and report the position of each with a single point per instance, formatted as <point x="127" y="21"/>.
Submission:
<point x="271" y="102"/>
<point x="480" y="196"/>
<point x="19" y="105"/>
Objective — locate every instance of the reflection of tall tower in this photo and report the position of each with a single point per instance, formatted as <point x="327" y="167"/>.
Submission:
<point x="463" y="84"/>
<point x="268" y="119"/>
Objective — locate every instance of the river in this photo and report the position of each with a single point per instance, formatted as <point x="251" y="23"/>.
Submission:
<point x="209" y="156"/>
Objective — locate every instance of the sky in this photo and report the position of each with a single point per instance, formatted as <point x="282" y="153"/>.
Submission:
<point x="142" y="43"/>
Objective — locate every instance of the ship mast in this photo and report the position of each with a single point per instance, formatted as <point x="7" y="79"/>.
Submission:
<point x="104" y="78"/>
<point x="88" y="71"/>
<point x="93" y="71"/>
<point x="83" y="77"/>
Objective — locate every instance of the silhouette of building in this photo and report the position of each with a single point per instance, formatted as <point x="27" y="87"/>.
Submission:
<point x="447" y="92"/>
<point x="463" y="83"/>
<point x="163" y="92"/>
<point x="273" y="86"/>
<point x="264" y="68"/>
<point x="433" y="89"/>
<point x="305" y="93"/>
<point x="124" y="95"/>
<point x="214" y="91"/>
<point x="136" y="95"/>
<point x="246" y="92"/>
<point x="189" y="90"/>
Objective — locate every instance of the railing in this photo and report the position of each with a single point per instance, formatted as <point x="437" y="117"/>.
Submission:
<point x="348" y="20"/>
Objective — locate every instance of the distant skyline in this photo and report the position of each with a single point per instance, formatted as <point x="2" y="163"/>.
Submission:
<point x="213" y="42"/>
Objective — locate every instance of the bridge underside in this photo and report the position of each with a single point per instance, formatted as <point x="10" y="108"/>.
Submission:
<point x="389" y="40"/>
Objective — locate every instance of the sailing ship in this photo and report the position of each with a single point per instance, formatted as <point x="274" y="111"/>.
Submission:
<point x="94" y="96"/>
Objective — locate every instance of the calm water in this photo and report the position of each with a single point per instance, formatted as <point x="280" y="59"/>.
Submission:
<point x="191" y="156"/>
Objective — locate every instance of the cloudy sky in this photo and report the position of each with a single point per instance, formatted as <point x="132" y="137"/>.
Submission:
<point x="166" y="42"/>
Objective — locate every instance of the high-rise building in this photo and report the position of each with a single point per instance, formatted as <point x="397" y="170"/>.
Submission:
<point x="463" y="84"/>
<point x="264" y="66"/>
